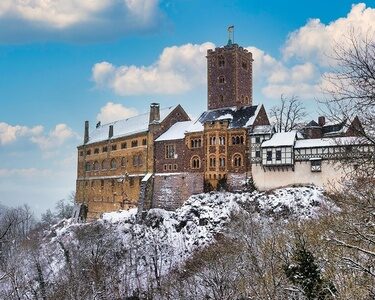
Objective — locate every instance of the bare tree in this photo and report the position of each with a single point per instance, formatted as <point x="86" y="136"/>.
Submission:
<point x="288" y="114"/>
<point x="350" y="87"/>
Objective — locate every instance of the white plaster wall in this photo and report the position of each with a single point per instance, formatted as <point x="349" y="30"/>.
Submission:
<point x="330" y="176"/>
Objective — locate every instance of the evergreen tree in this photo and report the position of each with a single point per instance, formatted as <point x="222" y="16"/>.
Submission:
<point x="302" y="271"/>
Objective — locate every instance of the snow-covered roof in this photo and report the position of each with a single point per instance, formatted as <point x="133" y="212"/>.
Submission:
<point x="281" y="139"/>
<point x="238" y="117"/>
<point x="195" y="127"/>
<point x="127" y="126"/>
<point x="175" y="132"/>
<point x="327" y="142"/>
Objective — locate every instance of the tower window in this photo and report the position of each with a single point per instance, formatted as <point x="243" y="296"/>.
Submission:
<point x="221" y="61"/>
<point x="221" y="79"/>
<point x="244" y="65"/>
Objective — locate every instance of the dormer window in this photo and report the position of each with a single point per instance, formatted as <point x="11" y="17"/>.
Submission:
<point x="221" y="61"/>
<point x="221" y="79"/>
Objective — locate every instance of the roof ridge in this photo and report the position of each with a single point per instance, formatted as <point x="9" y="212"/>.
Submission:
<point x="141" y="114"/>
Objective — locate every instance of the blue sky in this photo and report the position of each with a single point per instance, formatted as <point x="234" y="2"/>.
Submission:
<point x="68" y="61"/>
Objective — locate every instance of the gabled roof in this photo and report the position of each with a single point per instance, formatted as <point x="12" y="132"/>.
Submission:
<point x="125" y="127"/>
<point x="281" y="139"/>
<point x="312" y="124"/>
<point x="238" y="117"/>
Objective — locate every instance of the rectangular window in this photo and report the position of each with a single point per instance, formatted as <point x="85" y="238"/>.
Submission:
<point x="170" y="151"/>
<point x="114" y="147"/>
<point x="96" y="150"/>
<point x="269" y="155"/>
<point x="257" y="153"/>
<point x="105" y="149"/>
<point x="316" y="165"/>
<point x="123" y="145"/>
<point x="278" y="154"/>
<point x="88" y="152"/>
<point x="144" y="142"/>
<point x="135" y="143"/>
<point x="257" y="140"/>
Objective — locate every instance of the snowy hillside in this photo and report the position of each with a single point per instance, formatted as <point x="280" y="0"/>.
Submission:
<point x="143" y="253"/>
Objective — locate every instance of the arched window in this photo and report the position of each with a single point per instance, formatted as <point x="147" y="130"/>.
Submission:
<point x="241" y="139"/>
<point x="247" y="99"/>
<point x="105" y="164"/>
<point x="212" y="162"/>
<point x="221" y="79"/>
<point x="222" y="161"/>
<point x="221" y="98"/>
<point x="113" y="164"/>
<point x="123" y="162"/>
<point x="237" y="160"/>
<point x="96" y="165"/>
<point x="237" y="139"/>
<point x="221" y="61"/>
<point x="195" y="162"/>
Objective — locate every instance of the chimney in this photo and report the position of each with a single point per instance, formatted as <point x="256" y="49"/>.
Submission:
<point x="86" y="136"/>
<point x="110" y="132"/>
<point x="154" y="113"/>
<point x="321" y="121"/>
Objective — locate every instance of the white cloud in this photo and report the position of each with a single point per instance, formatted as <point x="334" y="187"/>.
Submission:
<point x="178" y="69"/>
<point x="315" y="40"/>
<point x="113" y="112"/>
<point x="46" y="142"/>
<point x="54" y="139"/>
<point x="9" y="133"/>
<point x="76" y="17"/>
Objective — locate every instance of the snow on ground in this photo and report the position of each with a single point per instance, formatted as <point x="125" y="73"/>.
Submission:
<point x="178" y="234"/>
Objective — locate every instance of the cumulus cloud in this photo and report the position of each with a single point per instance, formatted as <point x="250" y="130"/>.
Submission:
<point x="178" y="69"/>
<point x="113" y="112"/>
<point x="183" y="68"/>
<point x="9" y="133"/>
<point x="315" y="40"/>
<point x="33" y="19"/>
<point x="52" y="140"/>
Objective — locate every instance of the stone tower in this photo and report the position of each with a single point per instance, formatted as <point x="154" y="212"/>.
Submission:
<point x="229" y="77"/>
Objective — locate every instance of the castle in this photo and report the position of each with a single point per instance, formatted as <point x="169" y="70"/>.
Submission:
<point x="160" y="158"/>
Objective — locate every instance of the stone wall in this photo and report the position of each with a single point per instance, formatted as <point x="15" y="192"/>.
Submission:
<point x="171" y="190"/>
